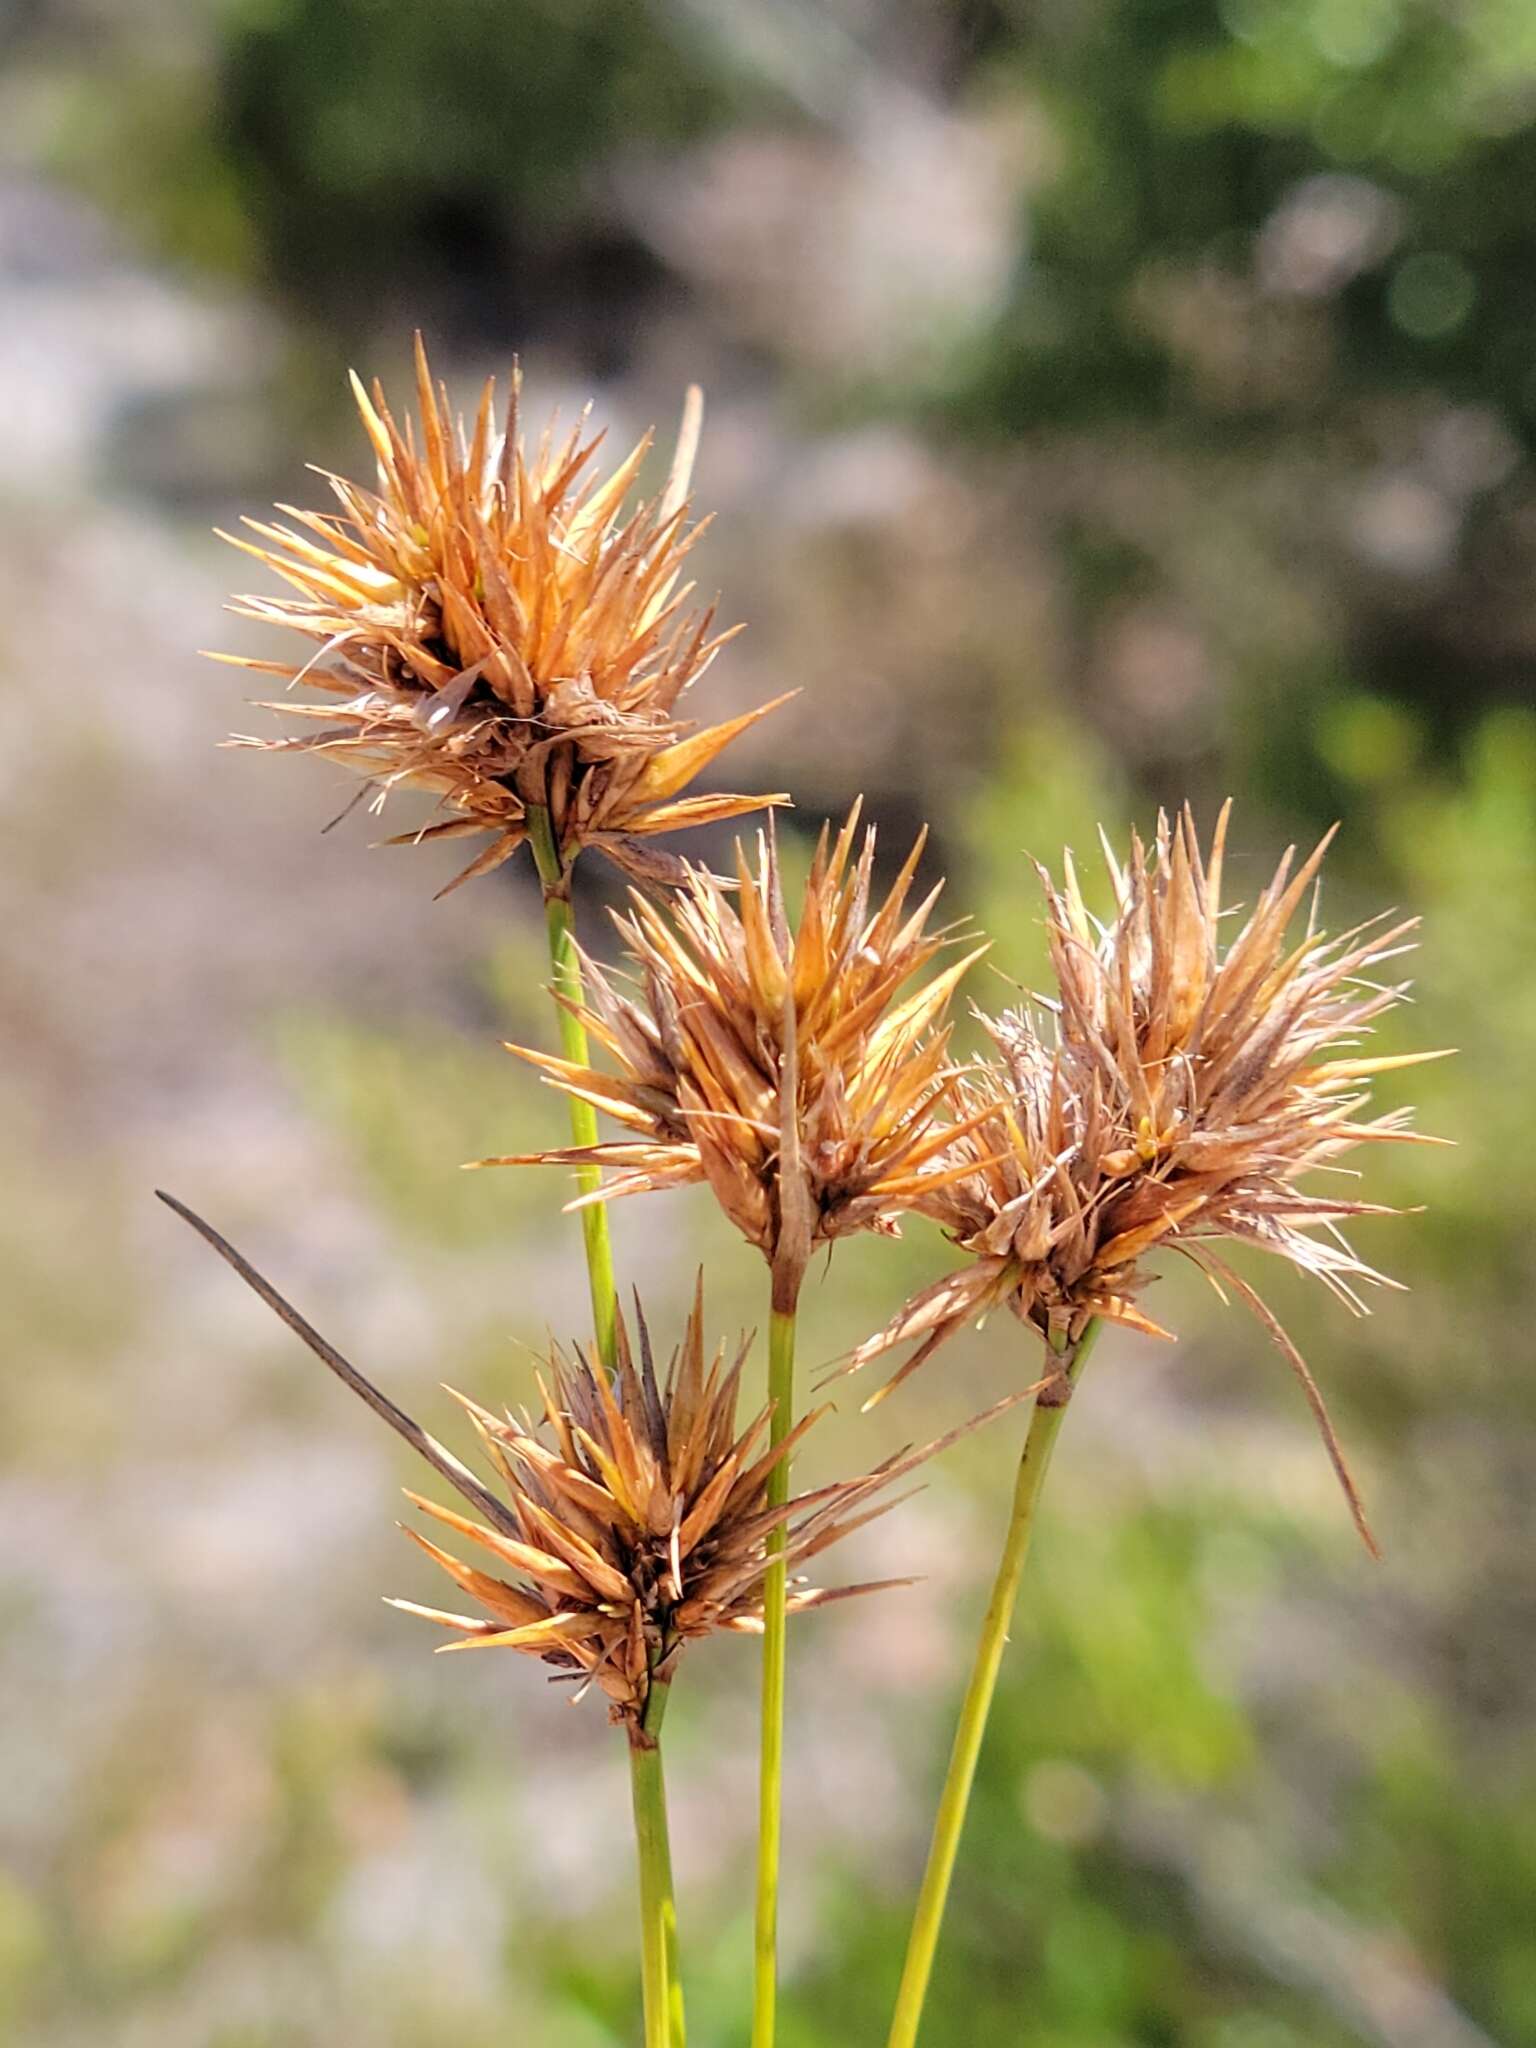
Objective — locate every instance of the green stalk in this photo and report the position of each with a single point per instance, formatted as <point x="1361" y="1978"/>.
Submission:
<point x="1044" y="1426"/>
<point x="663" y="1990"/>
<point x="781" y="1392"/>
<point x="555" y="878"/>
<point x="660" y="1976"/>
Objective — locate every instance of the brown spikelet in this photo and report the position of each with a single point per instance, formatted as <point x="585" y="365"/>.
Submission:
<point x="494" y="626"/>
<point x="645" y="1515"/>
<point x="1181" y="1092"/>
<point x="796" y="1073"/>
<point x="633" y="1519"/>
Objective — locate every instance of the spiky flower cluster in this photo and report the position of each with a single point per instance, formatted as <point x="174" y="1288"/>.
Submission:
<point x="640" y="1519"/>
<point x="1185" y="1090"/>
<point x="495" y="628"/>
<point x="786" y="1069"/>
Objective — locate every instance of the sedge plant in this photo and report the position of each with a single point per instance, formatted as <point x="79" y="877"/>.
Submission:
<point x="508" y="629"/>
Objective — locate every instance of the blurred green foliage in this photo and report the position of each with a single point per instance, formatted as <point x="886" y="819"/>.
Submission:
<point x="1183" y="129"/>
<point x="340" y="151"/>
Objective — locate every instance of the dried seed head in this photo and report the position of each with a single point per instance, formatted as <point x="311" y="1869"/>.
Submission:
<point x="789" y="1071"/>
<point x="492" y="626"/>
<point x="643" y="1519"/>
<point x="1180" y="1095"/>
<point x="636" y="1519"/>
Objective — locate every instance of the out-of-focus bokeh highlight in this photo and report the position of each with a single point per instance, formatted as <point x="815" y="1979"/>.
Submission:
<point x="1110" y="401"/>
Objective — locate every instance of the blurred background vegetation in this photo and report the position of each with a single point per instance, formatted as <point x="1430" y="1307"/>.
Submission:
<point x="1111" y="402"/>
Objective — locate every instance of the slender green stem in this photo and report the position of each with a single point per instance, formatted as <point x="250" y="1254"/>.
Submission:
<point x="781" y="1392"/>
<point x="663" y="1990"/>
<point x="1044" y="1425"/>
<point x="660" y="1976"/>
<point x="556" y="880"/>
